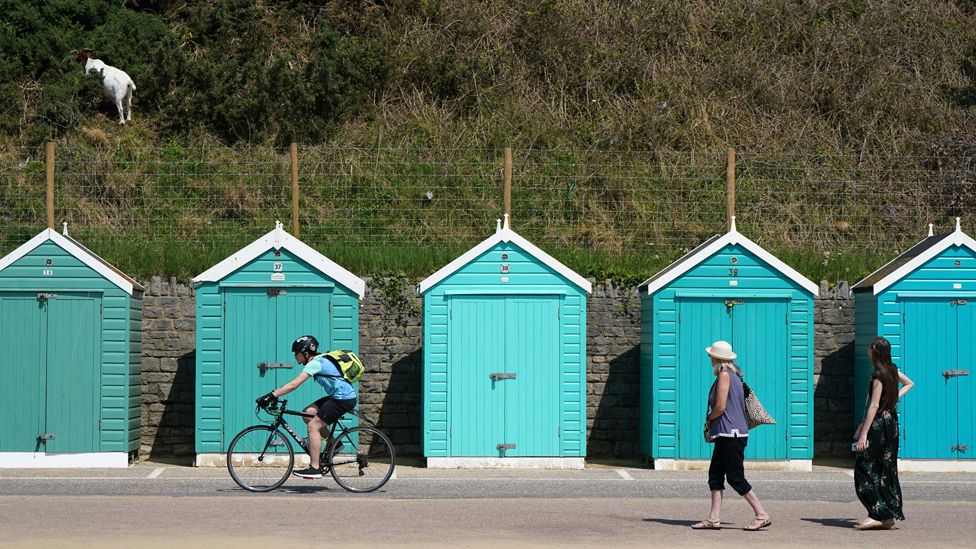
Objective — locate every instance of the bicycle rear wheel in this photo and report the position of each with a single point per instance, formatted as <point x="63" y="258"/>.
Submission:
<point x="260" y="459"/>
<point x="365" y="462"/>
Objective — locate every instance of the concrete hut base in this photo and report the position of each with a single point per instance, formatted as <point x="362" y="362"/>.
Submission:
<point x="505" y="463"/>
<point x="66" y="460"/>
<point x="801" y="465"/>
<point x="937" y="465"/>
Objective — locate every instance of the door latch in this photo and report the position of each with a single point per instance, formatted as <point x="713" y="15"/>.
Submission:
<point x="46" y="296"/>
<point x="959" y="302"/>
<point x="44" y="437"/>
<point x="497" y="376"/>
<point x="263" y="366"/>
<point x="506" y="446"/>
<point x="954" y="373"/>
<point x="276" y="293"/>
<point x="733" y="302"/>
<point x="961" y="448"/>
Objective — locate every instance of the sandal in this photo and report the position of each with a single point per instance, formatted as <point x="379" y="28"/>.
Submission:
<point x="869" y="524"/>
<point x="758" y="524"/>
<point x="707" y="525"/>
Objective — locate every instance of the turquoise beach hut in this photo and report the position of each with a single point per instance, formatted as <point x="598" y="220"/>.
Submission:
<point x="727" y="288"/>
<point x="250" y="308"/>
<point x="504" y="381"/>
<point x="70" y="366"/>
<point x="924" y="303"/>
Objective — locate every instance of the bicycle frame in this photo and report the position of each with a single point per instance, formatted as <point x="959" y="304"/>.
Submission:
<point x="280" y="421"/>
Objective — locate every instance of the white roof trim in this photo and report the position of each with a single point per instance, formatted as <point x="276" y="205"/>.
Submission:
<point x="94" y="262"/>
<point x="733" y="237"/>
<point x="279" y="238"/>
<point x="956" y="238"/>
<point x="504" y="234"/>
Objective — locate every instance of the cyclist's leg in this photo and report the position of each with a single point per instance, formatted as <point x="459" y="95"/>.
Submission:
<point x="314" y="439"/>
<point x="330" y="411"/>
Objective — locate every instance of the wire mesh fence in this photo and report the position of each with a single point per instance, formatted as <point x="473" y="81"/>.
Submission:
<point x="155" y="210"/>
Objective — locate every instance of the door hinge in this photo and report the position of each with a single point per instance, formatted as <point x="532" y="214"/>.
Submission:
<point x="450" y="313"/>
<point x="559" y="312"/>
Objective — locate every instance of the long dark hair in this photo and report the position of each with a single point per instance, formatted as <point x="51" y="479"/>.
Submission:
<point x="886" y="371"/>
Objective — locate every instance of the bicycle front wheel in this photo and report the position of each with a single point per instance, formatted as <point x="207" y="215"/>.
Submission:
<point x="260" y="459"/>
<point x="365" y="460"/>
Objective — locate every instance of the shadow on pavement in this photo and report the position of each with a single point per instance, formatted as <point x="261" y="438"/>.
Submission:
<point x="837" y="523"/>
<point x="673" y="522"/>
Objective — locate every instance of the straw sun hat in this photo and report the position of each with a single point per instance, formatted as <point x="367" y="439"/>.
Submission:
<point x="721" y="350"/>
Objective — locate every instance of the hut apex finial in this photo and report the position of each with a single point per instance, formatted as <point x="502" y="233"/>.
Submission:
<point x="278" y="236"/>
<point x="732" y="225"/>
<point x="958" y="226"/>
<point x="506" y="227"/>
<point x="930" y="230"/>
<point x="498" y="225"/>
<point x="64" y="230"/>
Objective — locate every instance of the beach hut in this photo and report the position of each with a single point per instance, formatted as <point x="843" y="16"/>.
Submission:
<point x="924" y="303"/>
<point x="70" y="367"/>
<point x="728" y="288"/>
<point x="504" y="382"/>
<point x="250" y="308"/>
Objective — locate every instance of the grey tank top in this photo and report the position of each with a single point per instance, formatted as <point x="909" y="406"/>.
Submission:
<point x="732" y="423"/>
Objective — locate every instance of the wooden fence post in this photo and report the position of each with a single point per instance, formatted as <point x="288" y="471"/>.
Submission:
<point x="294" y="189"/>
<point x="50" y="184"/>
<point x="730" y="189"/>
<point x="508" y="182"/>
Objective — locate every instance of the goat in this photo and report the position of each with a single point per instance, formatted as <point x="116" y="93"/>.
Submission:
<point x="116" y="84"/>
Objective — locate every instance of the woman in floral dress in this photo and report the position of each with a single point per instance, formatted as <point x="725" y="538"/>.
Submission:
<point x="876" y="466"/>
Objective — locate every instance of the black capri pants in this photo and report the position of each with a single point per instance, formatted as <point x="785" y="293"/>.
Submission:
<point x="727" y="459"/>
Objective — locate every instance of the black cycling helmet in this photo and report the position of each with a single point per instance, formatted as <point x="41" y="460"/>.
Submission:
<point x="305" y="344"/>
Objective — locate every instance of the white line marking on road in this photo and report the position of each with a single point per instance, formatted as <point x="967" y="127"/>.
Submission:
<point x="394" y="475"/>
<point x="624" y="474"/>
<point x="850" y="474"/>
<point x="156" y="472"/>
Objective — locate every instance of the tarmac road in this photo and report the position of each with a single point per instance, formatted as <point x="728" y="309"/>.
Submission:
<point x="156" y="505"/>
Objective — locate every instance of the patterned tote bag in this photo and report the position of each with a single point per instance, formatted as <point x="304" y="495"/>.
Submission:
<point x="755" y="413"/>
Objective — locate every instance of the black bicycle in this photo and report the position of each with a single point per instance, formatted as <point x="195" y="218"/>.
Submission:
<point x="260" y="458"/>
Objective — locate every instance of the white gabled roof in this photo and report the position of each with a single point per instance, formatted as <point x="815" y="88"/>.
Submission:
<point x="713" y="245"/>
<point x="278" y="239"/>
<point x="915" y="257"/>
<point x="79" y="252"/>
<point x="504" y="234"/>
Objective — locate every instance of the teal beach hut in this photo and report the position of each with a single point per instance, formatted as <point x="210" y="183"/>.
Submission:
<point x="70" y="366"/>
<point x="504" y="380"/>
<point x="250" y="307"/>
<point x="728" y="288"/>
<point x="924" y="303"/>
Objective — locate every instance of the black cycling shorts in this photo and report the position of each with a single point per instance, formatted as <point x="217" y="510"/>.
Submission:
<point x="331" y="409"/>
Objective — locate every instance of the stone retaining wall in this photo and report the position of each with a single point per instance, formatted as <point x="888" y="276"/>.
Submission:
<point x="391" y="335"/>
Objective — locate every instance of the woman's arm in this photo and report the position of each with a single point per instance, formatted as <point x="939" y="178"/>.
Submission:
<point x="721" y="396"/>
<point x="862" y="440"/>
<point x="291" y="385"/>
<point x="906" y="384"/>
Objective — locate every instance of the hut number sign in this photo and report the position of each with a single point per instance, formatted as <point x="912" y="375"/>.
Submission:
<point x="278" y="275"/>
<point x="48" y="272"/>
<point x="734" y="271"/>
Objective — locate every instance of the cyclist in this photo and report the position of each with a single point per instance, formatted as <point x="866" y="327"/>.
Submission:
<point x="340" y="398"/>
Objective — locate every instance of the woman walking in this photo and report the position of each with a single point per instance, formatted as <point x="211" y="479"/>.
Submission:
<point x="876" y="465"/>
<point x="730" y="431"/>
